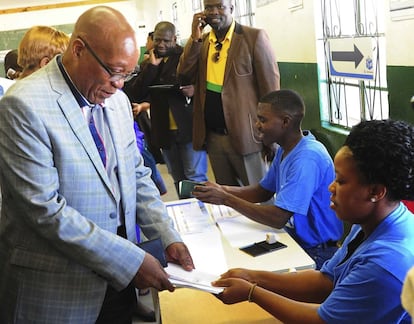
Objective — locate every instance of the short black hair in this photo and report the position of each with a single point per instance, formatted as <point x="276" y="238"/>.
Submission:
<point x="384" y="154"/>
<point x="10" y="61"/>
<point x="151" y="35"/>
<point x="287" y="101"/>
<point x="165" y="25"/>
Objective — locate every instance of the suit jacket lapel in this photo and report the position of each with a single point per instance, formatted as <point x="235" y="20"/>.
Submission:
<point x="118" y="139"/>
<point x="233" y="50"/>
<point x="73" y="113"/>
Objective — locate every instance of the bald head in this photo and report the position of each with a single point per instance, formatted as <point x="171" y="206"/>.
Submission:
<point x="165" y="26"/>
<point x="103" y="24"/>
<point x="102" y="52"/>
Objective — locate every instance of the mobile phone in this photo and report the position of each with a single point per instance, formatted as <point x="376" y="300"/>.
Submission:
<point x="206" y="21"/>
<point x="186" y="188"/>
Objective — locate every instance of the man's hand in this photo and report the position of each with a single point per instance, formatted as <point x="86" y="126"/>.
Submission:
<point x="187" y="90"/>
<point x="138" y="107"/>
<point x="211" y="193"/>
<point x="153" y="59"/>
<point x="198" y="25"/>
<point x="152" y="275"/>
<point x="178" y="253"/>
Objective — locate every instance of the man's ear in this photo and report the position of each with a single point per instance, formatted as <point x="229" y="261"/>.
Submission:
<point x="77" y="47"/>
<point x="286" y="120"/>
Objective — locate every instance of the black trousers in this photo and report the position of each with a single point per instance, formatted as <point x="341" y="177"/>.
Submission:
<point x="118" y="306"/>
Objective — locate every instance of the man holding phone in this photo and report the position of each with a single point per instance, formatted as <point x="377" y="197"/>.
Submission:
<point x="171" y="107"/>
<point x="233" y="66"/>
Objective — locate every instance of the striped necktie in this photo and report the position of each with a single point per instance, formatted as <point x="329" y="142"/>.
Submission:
<point x="96" y="112"/>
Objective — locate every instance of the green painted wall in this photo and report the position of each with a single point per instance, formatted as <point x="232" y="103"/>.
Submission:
<point x="400" y="81"/>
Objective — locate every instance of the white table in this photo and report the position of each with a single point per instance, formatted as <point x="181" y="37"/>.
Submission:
<point x="213" y="235"/>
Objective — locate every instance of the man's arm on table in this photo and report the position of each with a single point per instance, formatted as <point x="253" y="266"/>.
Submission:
<point x="244" y="200"/>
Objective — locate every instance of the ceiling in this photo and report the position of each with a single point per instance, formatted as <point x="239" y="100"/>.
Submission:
<point x="7" y="4"/>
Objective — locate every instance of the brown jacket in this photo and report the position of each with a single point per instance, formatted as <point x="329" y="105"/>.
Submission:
<point x="251" y="72"/>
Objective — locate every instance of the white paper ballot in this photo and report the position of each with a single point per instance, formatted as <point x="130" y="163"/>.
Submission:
<point x="192" y="279"/>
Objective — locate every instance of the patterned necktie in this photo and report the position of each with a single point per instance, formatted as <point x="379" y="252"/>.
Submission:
<point x="96" y="135"/>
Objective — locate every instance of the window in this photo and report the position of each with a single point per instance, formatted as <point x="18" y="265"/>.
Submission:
<point x="243" y="12"/>
<point x="351" y="62"/>
<point x="198" y="6"/>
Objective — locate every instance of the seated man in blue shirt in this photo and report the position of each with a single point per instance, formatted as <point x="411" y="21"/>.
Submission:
<point x="299" y="176"/>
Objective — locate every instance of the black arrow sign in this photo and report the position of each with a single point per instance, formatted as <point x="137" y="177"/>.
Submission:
<point x="355" y="56"/>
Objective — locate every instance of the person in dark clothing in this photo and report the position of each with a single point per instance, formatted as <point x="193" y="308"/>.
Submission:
<point x="171" y="107"/>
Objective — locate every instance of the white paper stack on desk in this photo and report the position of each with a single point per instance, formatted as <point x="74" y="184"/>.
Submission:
<point x="192" y="279"/>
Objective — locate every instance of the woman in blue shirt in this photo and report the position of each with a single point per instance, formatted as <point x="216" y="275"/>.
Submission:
<point x="362" y="282"/>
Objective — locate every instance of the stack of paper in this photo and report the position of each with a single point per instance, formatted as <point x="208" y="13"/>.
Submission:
<point x="192" y="279"/>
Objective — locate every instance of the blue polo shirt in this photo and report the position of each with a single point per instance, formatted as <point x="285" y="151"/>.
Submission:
<point x="301" y="182"/>
<point x="367" y="286"/>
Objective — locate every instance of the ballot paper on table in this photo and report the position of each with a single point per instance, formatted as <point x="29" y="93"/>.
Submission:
<point x="190" y="216"/>
<point x="200" y="233"/>
<point x="192" y="279"/>
<point x="239" y="230"/>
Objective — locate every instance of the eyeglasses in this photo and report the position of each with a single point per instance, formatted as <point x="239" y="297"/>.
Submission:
<point x="216" y="56"/>
<point x="113" y="76"/>
<point x="210" y="8"/>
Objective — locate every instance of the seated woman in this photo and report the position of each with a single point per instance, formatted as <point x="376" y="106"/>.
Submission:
<point x="362" y="282"/>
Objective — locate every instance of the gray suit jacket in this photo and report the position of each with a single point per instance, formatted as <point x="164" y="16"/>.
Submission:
<point x="58" y="242"/>
<point x="251" y="72"/>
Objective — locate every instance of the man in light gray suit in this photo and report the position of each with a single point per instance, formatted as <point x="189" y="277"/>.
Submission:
<point x="61" y="260"/>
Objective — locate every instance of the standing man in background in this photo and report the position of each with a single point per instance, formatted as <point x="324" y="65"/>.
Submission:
<point x="171" y="107"/>
<point x="72" y="199"/>
<point x="233" y="66"/>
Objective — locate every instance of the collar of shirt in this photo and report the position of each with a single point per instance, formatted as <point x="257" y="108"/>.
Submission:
<point x="212" y="38"/>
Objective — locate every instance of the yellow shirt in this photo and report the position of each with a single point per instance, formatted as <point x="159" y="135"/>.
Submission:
<point x="215" y="70"/>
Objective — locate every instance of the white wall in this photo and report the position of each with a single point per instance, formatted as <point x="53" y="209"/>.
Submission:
<point x="64" y="16"/>
<point x="292" y="33"/>
<point x="400" y="40"/>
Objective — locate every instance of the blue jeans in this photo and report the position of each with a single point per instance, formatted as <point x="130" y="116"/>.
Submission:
<point x="184" y="163"/>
